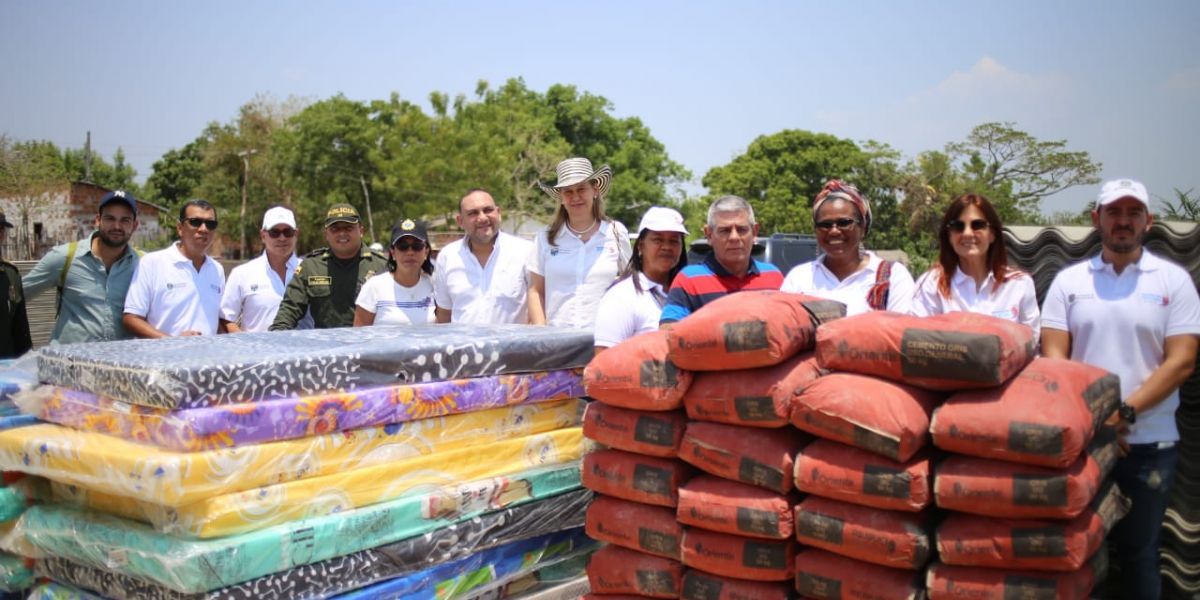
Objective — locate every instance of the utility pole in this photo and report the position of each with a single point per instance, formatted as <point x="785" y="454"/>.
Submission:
<point x="245" y="156"/>
<point x="367" y="196"/>
<point x="87" y="158"/>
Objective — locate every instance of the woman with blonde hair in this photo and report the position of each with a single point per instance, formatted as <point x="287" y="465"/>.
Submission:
<point x="576" y="259"/>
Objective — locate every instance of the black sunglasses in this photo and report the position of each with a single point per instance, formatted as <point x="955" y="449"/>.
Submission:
<point x="417" y="245"/>
<point x="842" y="224"/>
<point x="287" y="233"/>
<point x="958" y="226"/>
<point x="196" y="222"/>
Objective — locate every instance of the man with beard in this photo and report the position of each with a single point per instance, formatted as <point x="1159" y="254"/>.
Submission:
<point x="1138" y="316"/>
<point x="481" y="278"/>
<point x="14" y="321"/>
<point x="328" y="280"/>
<point x="254" y="289"/>
<point x="177" y="291"/>
<point x="92" y="275"/>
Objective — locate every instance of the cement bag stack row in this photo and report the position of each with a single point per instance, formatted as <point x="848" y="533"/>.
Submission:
<point x="378" y="462"/>
<point x="1025" y="479"/>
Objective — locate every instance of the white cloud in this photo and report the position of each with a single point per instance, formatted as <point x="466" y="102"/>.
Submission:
<point x="988" y="80"/>
<point x="1186" y="81"/>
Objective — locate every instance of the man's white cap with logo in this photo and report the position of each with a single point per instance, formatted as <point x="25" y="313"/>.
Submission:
<point x="278" y="216"/>
<point x="1122" y="188"/>
<point x="661" y="218"/>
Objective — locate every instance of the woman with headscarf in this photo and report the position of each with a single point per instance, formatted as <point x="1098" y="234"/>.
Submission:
<point x="972" y="272"/>
<point x="844" y="270"/>
<point x="634" y="303"/>
<point x="580" y="254"/>
<point x="404" y="295"/>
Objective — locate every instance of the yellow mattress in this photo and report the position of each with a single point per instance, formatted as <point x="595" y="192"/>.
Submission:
<point x="328" y="494"/>
<point x="108" y="464"/>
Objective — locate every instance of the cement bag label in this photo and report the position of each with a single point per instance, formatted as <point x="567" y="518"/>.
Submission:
<point x="815" y="586"/>
<point x="657" y="541"/>
<point x="1037" y="542"/>
<point x="698" y="587"/>
<point x="745" y="336"/>
<point x="755" y="473"/>
<point x="1039" y="490"/>
<point x="875" y="442"/>
<point x="886" y="481"/>
<point x="1035" y="438"/>
<point x="652" y="430"/>
<point x="950" y="355"/>
<point x="755" y="408"/>
<point x="764" y="556"/>
<point x="658" y="374"/>
<point x="1017" y="587"/>
<point x="820" y="527"/>
<point x="655" y="582"/>
<point x="757" y="521"/>
<point x="652" y="480"/>
<point x="1102" y="398"/>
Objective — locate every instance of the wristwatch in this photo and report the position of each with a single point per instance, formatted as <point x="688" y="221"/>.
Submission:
<point x="1127" y="414"/>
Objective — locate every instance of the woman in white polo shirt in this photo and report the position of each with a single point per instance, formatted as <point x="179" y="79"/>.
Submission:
<point x="405" y="295"/>
<point x="580" y="254"/>
<point x="634" y="303"/>
<point x="972" y="272"/>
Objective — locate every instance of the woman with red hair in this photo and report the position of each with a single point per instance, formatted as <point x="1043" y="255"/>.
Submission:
<point x="972" y="272"/>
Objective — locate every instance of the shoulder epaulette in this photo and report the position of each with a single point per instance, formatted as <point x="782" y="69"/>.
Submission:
<point x="317" y="252"/>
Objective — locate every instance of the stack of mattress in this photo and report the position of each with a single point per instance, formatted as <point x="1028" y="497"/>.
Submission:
<point x="17" y="491"/>
<point x="434" y="461"/>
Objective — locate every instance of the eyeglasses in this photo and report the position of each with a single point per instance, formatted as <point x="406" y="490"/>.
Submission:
<point x="287" y="233"/>
<point x="841" y="224"/>
<point x="416" y="245"/>
<point x="196" y="222"/>
<point x="958" y="226"/>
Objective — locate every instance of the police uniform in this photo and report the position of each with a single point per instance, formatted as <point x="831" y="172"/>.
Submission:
<point x="14" y="322"/>
<point x="327" y="285"/>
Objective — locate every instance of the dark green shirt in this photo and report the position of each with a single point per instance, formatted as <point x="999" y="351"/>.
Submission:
<point x="14" y="322"/>
<point x="327" y="286"/>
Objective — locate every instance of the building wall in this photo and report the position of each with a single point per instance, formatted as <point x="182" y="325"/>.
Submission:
<point x="62" y="215"/>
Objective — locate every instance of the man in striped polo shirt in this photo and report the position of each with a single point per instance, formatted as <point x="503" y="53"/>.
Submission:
<point x="729" y="268"/>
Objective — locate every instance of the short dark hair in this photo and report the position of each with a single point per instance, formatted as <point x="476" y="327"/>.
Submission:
<point x="472" y="191"/>
<point x="203" y="204"/>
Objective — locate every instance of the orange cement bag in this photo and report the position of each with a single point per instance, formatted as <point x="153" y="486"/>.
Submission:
<point x="949" y="582"/>
<point x="841" y="472"/>
<point x="890" y="538"/>
<point x="1045" y="416"/>
<point x="637" y="374"/>
<point x="821" y="574"/>
<point x="750" y="397"/>
<point x="749" y="329"/>
<point x="887" y="418"/>
<point x="738" y="557"/>
<point x="698" y="585"/>
<point x="730" y="507"/>
<point x="633" y="525"/>
<point x="995" y="488"/>
<point x="951" y="351"/>
<point x="639" y="431"/>
<point x="972" y="540"/>
<point x="761" y="457"/>
<point x="617" y="570"/>
<point x="629" y="476"/>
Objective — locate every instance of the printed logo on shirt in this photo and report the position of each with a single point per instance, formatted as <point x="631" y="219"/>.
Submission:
<point x="176" y="285"/>
<point x="254" y="287"/>
<point x="1077" y="297"/>
<point x="554" y="252"/>
<point x="1156" y="299"/>
<point x="216" y="288"/>
<point x="1006" y="313"/>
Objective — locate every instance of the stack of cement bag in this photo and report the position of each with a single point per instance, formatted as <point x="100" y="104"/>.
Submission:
<point x="380" y="462"/>
<point x="719" y="473"/>
<point x="1025" y="479"/>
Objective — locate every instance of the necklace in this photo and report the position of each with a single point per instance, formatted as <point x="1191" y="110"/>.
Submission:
<point x="582" y="232"/>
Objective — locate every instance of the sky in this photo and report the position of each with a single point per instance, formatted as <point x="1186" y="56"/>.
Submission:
<point x="1120" y="80"/>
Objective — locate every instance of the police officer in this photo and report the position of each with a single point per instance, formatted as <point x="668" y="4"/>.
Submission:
<point x="14" y="322"/>
<point x="328" y="279"/>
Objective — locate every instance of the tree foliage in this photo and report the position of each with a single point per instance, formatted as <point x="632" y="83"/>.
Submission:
<point x="1185" y="207"/>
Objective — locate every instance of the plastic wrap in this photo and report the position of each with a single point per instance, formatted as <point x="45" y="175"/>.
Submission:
<point x="277" y="558"/>
<point x="481" y="571"/>
<point x="248" y="510"/>
<point x="16" y="572"/>
<point x="16" y="375"/>
<point x="58" y="591"/>
<point x="191" y="372"/>
<point x="101" y="463"/>
<point x="554" y="581"/>
<point x="20" y="495"/>
<point x="222" y="426"/>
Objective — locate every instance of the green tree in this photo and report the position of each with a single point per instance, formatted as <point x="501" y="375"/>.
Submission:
<point x="1185" y="207"/>
<point x="176" y="176"/>
<point x="28" y="170"/>
<point x="116" y="176"/>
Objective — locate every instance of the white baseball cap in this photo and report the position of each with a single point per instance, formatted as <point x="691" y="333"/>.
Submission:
<point x="1122" y="188"/>
<point x="278" y="216"/>
<point x="661" y="218"/>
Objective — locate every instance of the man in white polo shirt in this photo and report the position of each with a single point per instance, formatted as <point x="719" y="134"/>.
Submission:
<point x="255" y="289"/>
<point x="1138" y="316"/>
<point x="177" y="290"/>
<point x="481" y="277"/>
